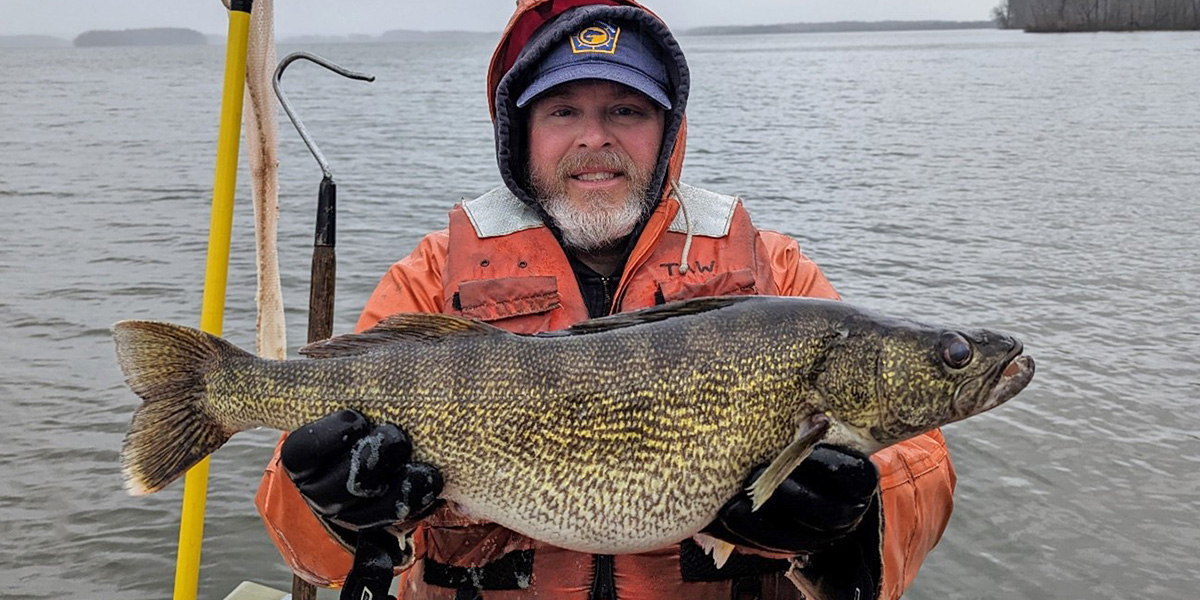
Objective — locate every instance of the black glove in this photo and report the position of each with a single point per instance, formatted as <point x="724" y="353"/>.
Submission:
<point x="355" y="475"/>
<point x="821" y="502"/>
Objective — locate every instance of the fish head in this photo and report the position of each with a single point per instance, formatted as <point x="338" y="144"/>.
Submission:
<point x="888" y="380"/>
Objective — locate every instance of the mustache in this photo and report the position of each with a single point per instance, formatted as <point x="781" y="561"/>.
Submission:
<point x="598" y="159"/>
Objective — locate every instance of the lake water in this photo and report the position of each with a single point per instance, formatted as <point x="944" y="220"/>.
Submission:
<point x="1045" y="185"/>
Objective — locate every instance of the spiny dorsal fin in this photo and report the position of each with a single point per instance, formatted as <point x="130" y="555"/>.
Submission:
<point x="650" y="315"/>
<point x="401" y="328"/>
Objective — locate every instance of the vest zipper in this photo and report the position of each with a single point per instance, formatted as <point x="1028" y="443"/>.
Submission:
<point x="604" y="582"/>
<point x="651" y="235"/>
<point x="606" y="283"/>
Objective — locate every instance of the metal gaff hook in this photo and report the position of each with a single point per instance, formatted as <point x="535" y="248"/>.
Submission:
<point x="376" y="551"/>
<point x="291" y="113"/>
<point x="324" y="269"/>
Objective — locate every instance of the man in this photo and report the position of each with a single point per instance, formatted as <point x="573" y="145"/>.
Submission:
<point x="588" y="100"/>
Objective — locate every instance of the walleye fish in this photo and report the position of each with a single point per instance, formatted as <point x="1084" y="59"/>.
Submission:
<point x="618" y="435"/>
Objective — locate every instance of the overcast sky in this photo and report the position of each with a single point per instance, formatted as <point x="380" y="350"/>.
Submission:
<point x="67" y="18"/>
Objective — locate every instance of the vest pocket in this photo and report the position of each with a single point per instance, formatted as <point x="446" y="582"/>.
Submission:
<point x="731" y="283"/>
<point x="526" y="300"/>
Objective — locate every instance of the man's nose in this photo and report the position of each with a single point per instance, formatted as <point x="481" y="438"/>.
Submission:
<point x="595" y="132"/>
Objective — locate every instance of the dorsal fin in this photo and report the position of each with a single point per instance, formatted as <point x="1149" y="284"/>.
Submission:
<point x="401" y="328"/>
<point x="654" y="314"/>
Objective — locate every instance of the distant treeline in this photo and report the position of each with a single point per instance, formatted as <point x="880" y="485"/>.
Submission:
<point x="159" y="36"/>
<point x="1055" y="16"/>
<point x="31" y="41"/>
<point x="840" y="26"/>
<point x="408" y="35"/>
<point x="393" y="36"/>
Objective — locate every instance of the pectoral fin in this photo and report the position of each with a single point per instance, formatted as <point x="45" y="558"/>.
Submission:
<point x="783" y="465"/>
<point x="719" y="549"/>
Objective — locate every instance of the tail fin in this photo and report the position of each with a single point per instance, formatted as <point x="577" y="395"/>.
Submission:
<point x="172" y="430"/>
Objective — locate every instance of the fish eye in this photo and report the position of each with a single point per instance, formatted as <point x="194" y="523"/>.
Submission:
<point x="956" y="351"/>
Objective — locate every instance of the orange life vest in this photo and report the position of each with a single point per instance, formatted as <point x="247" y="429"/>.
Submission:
<point x="505" y="267"/>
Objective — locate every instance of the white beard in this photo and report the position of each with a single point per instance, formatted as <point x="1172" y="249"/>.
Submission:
<point x="597" y="219"/>
<point x="598" y="224"/>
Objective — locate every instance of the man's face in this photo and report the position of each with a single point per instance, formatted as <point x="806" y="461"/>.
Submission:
<point x="593" y="146"/>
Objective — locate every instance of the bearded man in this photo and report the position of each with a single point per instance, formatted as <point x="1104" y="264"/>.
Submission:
<point x="588" y="100"/>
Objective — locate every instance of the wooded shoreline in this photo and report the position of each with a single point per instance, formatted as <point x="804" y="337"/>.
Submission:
<point x="1071" y="16"/>
<point x="156" y="36"/>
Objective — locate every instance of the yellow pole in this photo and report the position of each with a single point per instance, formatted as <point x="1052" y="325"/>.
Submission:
<point x="212" y="312"/>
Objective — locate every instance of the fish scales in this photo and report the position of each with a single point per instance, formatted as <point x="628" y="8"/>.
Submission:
<point x="558" y="441"/>
<point x="624" y="434"/>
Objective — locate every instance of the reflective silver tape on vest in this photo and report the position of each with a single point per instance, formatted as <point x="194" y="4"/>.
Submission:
<point x="710" y="213"/>
<point x="499" y="212"/>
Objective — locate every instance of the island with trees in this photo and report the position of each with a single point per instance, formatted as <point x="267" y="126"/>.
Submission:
<point x="1059" y="16"/>
<point x="157" y="36"/>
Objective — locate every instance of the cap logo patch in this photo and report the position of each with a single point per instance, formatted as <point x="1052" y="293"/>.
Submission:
<point x="600" y="38"/>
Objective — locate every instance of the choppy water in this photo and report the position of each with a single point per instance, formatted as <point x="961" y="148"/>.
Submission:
<point x="1041" y="184"/>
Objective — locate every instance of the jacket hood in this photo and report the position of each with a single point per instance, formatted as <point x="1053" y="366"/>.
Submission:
<point x="536" y="27"/>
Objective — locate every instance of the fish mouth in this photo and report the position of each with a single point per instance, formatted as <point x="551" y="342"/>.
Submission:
<point x="995" y="386"/>
<point x="1012" y="375"/>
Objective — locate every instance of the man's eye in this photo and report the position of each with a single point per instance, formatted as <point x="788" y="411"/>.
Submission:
<point x="626" y="111"/>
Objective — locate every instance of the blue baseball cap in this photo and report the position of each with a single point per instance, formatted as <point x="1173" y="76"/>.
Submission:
<point x="603" y="51"/>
